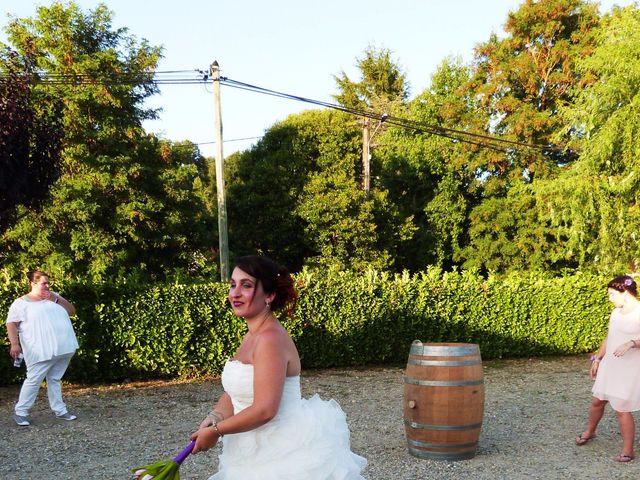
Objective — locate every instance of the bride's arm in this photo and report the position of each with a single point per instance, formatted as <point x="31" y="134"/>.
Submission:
<point x="269" y="372"/>
<point x="222" y="409"/>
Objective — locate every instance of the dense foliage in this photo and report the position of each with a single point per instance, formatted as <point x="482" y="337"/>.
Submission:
<point x="30" y="138"/>
<point x="595" y="205"/>
<point x="561" y="86"/>
<point x="342" y="319"/>
<point x="125" y="204"/>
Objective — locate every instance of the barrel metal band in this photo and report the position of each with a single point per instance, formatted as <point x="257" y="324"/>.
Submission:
<point x="426" y="426"/>
<point x="442" y="383"/>
<point x="442" y="455"/>
<point x="442" y="351"/>
<point x="443" y="363"/>
<point x="417" y="443"/>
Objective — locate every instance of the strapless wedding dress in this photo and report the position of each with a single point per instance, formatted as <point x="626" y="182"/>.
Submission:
<point x="308" y="439"/>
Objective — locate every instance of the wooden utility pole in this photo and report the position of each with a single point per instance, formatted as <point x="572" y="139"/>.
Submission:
<point x="223" y="241"/>
<point x="366" y="151"/>
<point x="366" y="158"/>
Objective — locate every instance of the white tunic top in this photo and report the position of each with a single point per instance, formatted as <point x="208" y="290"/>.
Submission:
<point x="44" y="327"/>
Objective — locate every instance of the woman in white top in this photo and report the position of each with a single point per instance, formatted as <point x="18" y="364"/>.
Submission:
<point x="39" y="327"/>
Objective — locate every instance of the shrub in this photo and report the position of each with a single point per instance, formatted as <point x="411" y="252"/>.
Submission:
<point x="342" y="319"/>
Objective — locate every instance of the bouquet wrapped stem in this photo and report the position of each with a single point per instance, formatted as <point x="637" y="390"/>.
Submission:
<point x="165" y="469"/>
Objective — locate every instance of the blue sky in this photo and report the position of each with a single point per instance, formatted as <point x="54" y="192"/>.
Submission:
<point x="292" y="46"/>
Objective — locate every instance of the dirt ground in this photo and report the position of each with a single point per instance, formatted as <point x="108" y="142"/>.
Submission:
<point x="533" y="410"/>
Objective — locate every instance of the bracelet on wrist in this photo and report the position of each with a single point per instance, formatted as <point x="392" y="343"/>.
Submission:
<point x="594" y="359"/>
<point x="214" y="425"/>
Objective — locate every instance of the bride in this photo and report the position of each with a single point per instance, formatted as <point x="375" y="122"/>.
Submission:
<point x="269" y="431"/>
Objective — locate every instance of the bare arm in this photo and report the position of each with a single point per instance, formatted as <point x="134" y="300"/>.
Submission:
<point x="269" y="372"/>
<point x="12" y="332"/>
<point x="603" y="348"/>
<point x="599" y="355"/>
<point x="222" y="409"/>
<point x="63" y="302"/>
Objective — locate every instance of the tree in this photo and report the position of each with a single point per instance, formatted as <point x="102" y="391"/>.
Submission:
<point x="314" y="213"/>
<point x="383" y="86"/>
<point x="603" y="117"/>
<point x="264" y="184"/>
<point x="522" y="80"/>
<point x="30" y="139"/>
<point x="514" y="234"/>
<point x="429" y="177"/>
<point x="125" y="203"/>
<point x="596" y="203"/>
<point x="341" y="223"/>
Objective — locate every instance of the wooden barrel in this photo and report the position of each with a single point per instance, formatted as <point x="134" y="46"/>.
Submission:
<point x="443" y="400"/>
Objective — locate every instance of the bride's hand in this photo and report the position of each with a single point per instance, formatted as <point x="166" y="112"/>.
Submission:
<point x="214" y="416"/>
<point x="205" y="438"/>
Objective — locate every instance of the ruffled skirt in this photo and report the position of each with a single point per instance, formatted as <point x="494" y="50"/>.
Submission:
<point x="307" y="440"/>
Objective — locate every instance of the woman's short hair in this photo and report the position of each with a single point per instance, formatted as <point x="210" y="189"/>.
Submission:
<point x="35" y="275"/>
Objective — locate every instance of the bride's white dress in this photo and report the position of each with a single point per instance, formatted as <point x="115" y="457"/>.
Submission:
<point x="308" y="439"/>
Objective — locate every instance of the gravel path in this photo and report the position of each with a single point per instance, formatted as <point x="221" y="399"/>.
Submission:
<point x="533" y="410"/>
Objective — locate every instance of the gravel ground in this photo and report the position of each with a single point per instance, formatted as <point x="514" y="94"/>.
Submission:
<point x="533" y="410"/>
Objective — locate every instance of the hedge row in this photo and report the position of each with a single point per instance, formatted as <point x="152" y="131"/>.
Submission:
<point x="342" y="319"/>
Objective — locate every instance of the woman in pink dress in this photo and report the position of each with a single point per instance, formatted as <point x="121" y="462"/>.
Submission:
<point x="616" y="366"/>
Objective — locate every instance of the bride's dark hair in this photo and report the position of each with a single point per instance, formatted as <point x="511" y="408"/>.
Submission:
<point x="274" y="278"/>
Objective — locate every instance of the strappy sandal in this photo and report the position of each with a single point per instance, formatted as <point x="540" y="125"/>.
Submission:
<point x="580" y="440"/>
<point x="623" y="458"/>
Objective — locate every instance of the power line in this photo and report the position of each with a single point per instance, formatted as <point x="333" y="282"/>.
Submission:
<point x="232" y="140"/>
<point x="482" y="140"/>
<point x="182" y="77"/>
<point x="175" y="142"/>
<point x="167" y="77"/>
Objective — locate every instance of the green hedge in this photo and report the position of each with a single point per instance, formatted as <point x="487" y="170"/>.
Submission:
<point x="342" y="319"/>
<point x="350" y="319"/>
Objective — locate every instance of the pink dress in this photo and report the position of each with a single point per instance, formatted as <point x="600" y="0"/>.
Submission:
<point x="618" y="379"/>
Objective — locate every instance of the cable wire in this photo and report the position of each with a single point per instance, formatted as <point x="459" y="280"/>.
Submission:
<point x="170" y="77"/>
<point x="482" y="140"/>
